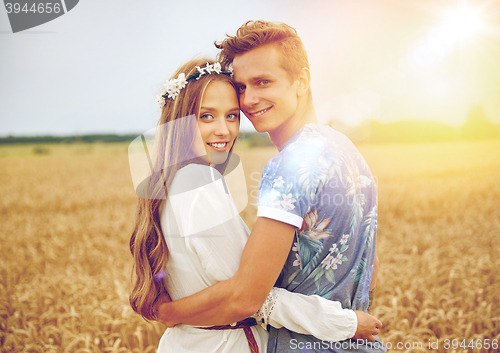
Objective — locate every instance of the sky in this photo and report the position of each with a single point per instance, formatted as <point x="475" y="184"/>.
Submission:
<point x="98" y="68"/>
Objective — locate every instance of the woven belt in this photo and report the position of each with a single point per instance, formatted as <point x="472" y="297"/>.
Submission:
<point x="246" y="326"/>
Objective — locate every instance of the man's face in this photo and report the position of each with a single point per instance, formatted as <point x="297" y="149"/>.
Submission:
<point x="267" y="97"/>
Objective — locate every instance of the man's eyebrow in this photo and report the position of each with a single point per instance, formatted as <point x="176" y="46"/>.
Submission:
<point x="256" y="78"/>
<point x="261" y="77"/>
<point x="264" y="76"/>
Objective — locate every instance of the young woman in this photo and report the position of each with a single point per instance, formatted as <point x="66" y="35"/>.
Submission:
<point x="188" y="234"/>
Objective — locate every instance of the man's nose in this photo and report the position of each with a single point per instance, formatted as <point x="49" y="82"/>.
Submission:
<point x="250" y="98"/>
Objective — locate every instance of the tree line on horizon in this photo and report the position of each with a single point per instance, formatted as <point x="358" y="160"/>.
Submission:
<point x="476" y="127"/>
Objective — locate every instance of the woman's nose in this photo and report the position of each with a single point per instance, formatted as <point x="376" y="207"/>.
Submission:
<point x="221" y="128"/>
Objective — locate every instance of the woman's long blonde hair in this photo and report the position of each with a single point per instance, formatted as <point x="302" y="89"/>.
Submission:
<point x="174" y="146"/>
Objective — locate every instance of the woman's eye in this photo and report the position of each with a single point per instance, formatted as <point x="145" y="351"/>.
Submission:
<point x="232" y="116"/>
<point x="207" y="117"/>
<point x="263" y="82"/>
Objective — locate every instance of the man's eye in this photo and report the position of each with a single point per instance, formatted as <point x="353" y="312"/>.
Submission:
<point x="263" y="82"/>
<point x="241" y="88"/>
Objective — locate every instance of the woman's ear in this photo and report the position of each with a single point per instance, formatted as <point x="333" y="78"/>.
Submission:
<point x="303" y="81"/>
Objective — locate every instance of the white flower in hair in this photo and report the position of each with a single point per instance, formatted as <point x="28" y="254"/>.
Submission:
<point x="173" y="87"/>
<point x="201" y="71"/>
<point x="181" y="81"/>
<point x="160" y="100"/>
<point x="172" y="91"/>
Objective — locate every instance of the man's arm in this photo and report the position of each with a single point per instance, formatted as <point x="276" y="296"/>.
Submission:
<point x="242" y="295"/>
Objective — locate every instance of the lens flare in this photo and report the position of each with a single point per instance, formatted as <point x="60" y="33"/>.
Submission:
<point x="460" y="25"/>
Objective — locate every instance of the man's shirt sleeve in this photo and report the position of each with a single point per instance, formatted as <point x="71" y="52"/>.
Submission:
<point x="280" y="193"/>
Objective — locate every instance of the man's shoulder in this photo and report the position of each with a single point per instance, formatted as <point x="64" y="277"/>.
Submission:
<point x="312" y="143"/>
<point x="319" y="138"/>
<point x="314" y="155"/>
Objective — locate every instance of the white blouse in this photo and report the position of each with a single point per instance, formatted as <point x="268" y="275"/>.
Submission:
<point x="205" y="237"/>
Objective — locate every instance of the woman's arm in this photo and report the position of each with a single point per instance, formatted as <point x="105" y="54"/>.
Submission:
<point x="226" y="301"/>
<point x="317" y="316"/>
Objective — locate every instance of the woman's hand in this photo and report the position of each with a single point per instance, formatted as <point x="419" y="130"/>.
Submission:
<point x="368" y="326"/>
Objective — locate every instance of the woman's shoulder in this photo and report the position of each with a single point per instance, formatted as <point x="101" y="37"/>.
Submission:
<point x="192" y="176"/>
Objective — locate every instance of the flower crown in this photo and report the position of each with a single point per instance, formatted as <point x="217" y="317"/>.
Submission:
<point x="174" y="86"/>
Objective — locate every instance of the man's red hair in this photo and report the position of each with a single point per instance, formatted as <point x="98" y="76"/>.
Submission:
<point x="255" y="34"/>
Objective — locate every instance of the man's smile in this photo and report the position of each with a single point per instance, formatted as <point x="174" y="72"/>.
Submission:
<point x="259" y="113"/>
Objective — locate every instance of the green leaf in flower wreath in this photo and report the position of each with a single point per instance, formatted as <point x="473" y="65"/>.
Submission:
<point x="193" y="76"/>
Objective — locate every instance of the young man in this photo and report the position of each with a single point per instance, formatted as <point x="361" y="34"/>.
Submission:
<point x="317" y="215"/>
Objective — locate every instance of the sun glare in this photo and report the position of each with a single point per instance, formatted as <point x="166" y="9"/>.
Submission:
<point x="458" y="26"/>
<point x="461" y="24"/>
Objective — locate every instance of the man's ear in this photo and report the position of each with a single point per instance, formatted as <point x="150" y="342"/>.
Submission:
<point x="303" y="81"/>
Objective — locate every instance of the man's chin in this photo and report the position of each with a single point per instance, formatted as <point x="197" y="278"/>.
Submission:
<point x="259" y="126"/>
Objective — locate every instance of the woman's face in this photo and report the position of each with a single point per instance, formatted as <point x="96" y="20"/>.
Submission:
<point x="218" y="122"/>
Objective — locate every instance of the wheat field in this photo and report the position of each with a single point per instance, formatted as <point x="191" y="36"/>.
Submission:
<point x="67" y="211"/>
